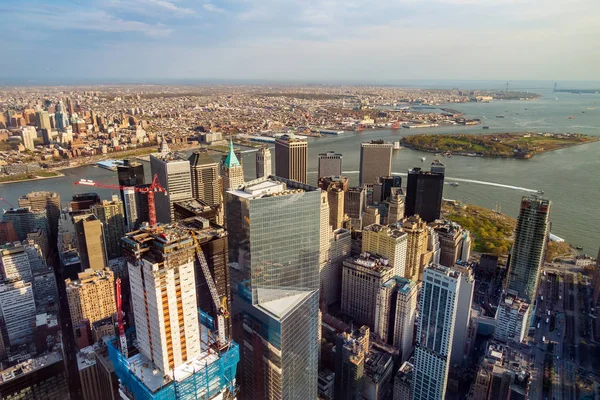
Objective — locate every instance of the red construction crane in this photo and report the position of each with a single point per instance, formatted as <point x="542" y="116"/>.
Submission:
<point x="150" y="190"/>
<point x="4" y="200"/>
<point x="122" y="338"/>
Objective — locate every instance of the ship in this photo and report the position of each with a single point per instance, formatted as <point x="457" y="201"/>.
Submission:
<point x="423" y="159"/>
<point x="540" y="192"/>
<point x="571" y="117"/>
<point x="485" y="127"/>
<point x="579" y="247"/>
<point x="499" y="116"/>
<point x="453" y="184"/>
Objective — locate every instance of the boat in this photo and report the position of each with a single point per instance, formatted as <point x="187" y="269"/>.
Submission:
<point x="423" y="159"/>
<point x="499" y="116"/>
<point x="540" y="192"/>
<point x="453" y="183"/>
<point x="485" y="127"/>
<point x="571" y="117"/>
<point x="579" y="247"/>
<point x="397" y="146"/>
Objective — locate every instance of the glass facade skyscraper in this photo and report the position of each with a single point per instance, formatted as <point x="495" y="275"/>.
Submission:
<point x="274" y="228"/>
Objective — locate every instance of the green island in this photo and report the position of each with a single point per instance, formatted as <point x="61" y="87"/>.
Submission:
<point x="505" y="145"/>
<point x="492" y="232"/>
<point x="30" y="175"/>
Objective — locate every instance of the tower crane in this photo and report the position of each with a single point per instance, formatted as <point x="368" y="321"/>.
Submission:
<point x="154" y="187"/>
<point x="122" y="338"/>
<point x="2" y="199"/>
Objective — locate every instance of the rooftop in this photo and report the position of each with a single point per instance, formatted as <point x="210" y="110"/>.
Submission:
<point x="404" y="285"/>
<point x="372" y="261"/>
<point x="270" y="186"/>
<point x="280" y="307"/>
<point x="31" y="365"/>
<point x="383" y="229"/>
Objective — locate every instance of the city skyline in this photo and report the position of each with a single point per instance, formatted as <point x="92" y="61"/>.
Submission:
<point x="505" y="40"/>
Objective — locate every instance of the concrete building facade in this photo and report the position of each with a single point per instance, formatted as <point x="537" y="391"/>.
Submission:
<point x="206" y="184"/>
<point x="291" y="158"/>
<point x="330" y="164"/>
<point x="389" y="242"/>
<point x="174" y="176"/>
<point x="263" y="162"/>
<point x="375" y="161"/>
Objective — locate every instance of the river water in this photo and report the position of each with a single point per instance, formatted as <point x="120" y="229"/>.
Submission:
<point x="569" y="177"/>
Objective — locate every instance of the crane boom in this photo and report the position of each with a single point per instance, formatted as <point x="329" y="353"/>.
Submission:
<point x="122" y="338"/>
<point x="5" y="201"/>
<point x="220" y="304"/>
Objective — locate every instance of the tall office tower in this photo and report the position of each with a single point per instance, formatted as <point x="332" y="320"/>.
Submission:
<point x="529" y="248"/>
<point x="395" y="210"/>
<point x="596" y="280"/>
<point x="451" y="238"/>
<point x="325" y="232"/>
<point x="90" y="241"/>
<point x="416" y="246"/>
<point x="49" y="201"/>
<point x="232" y="172"/>
<point x="60" y="116"/>
<point x="437" y="312"/>
<point x="371" y="216"/>
<point x="28" y="133"/>
<point x="14" y="264"/>
<point x="263" y="162"/>
<point x="25" y="221"/>
<point x="110" y="214"/>
<point x="460" y="347"/>
<point x="83" y="201"/>
<point x="355" y="204"/>
<point x="205" y="178"/>
<point x="362" y="278"/>
<point x="291" y="156"/>
<point x="335" y="199"/>
<point x="395" y="314"/>
<point x="375" y="161"/>
<point x="403" y="382"/>
<point x="91" y="297"/>
<point x="424" y="194"/>
<point x="174" y="176"/>
<point x="331" y="276"/>
<point x="437" y="167"/>
<point x="512" y="318"/>
<point x="70" y="106"/>
<point x="330" y="164"/>
<point x="130" y="174"/>
<point x="351" y="351"/>
<point x="43" y="120"/>
<point x="18" y="312"/>
<point x="7" y="232"/>
<point x="280" y="301"/>
<point x="389" y="242"/>
<point x="197" y="208"/>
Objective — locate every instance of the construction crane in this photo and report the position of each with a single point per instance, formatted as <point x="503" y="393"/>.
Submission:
<point x="154" y="187"/>
<point x="2" y="199"/>
<point x="122" y="338"/>
<point x="220" y="303"/>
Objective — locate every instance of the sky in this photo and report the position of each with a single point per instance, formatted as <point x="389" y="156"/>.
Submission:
<point x="321" y="41"/>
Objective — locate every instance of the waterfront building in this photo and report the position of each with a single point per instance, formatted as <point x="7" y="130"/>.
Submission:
<point x="424" y="194"/>
<point x="232" y="172"/>
<point x="49" y="201"/>
<point x="206" y="182"/>
<point x="331" y="275"/>
<point x="437" y="167"/>
<point x="355" y="204"/>
<point x="26" y="220"/>
<point x="263" y="162"/>
<point x="435" y="329"/>
<point x="28" y="133"/>
<point x="395" y="314"/>
<point x="278" y="304"/>
<point x="362" y="278"/>
<point x="173" y="175"/>
<point x="17" y="304"/>
<point x="291" y="158"/>
<point x="330" y="164"/>
<point x="375" y="161"/>
<point x="130" y="174"/>
<point x="529" y="248"/>
<point x="351" y="351"/>
<point x="91" y="297"/>
<point x="395" y="209"/>
<point x="512" y="318"/>
<point x="403" y="382"/>
<point x="110" y="214"/>
<point x="389" y="242"/>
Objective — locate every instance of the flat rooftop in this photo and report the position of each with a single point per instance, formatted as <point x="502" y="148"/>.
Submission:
<point x="270" y="186"/>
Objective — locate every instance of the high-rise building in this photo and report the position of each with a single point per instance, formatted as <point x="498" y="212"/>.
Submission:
<point x="43" y="120"/>
<point x="340" y="182"/>
<point x="7" y="232"/>
<point x="330" y="164"/>
<point x="18" y="311"/>
<point x="25" y="221"/>
<point x="378" y="373"/>
<point x="395" y="314"/>
<point x="90" y="241"/>
<point x="395" y="209"/>
<point x="462" y="321"/>
<point x="263" y="162"/>
<point x="385" y="187"/>
<point x="174" y="176"/>
<point x="351" y="351"/>
<point x="416" y="247"/>
<point x="279" y="303"/>
<point x="451" y="237"/>
<point x="232" y="172"/>
<point x="389" y="242"/>
<point x="362" y="278"/>
<point x="331" y="275"/>
<point x="206" y="184"/>
<point x="130" y="174"/>
<point x="60" y="116"/>
<point x="435" y="329"/>
<point x="437" y="167"/>
<point x="14" y="264"/>
<point x="403" y="382"/>
<point x="110" y="214"/>
<point x="49" y="201"/>
<point x="355" y="204"/>
<point x="512" y="318"/>
<point x="529" y="248"/>
<point x="91" y="297"/>
<point x="335" y="199"/>
<point x="28" y="133"/>
<point x="375" y="161"/>
<point x="83" y="201"/>
<point x="291" y="156"/>
<point x="424" y="194"/>
<point x="371" y="216"/>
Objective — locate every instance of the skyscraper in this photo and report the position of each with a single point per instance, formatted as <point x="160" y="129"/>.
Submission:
<point x="331" y="276"/>
<point x="110" y="214"/>
<point x="263" y="162"/>
<point x="375" y="161"/>
<point x="279" y="302"/>
<point x="463" y="315"/>
<point x="28" y="133"/>
<point x="205" y="178"/>
<point x="18" y="311"/>
<point x="437" y="314"/>
<point x="291" y="156"/>
<point x="424" y="194"/>
<point x="395" y="314"/>
<point x="389" y="242"/>
<point x="43" y="120"/>
<point x="355" y="204"/>
<point x="90" y="241"/>
<point x="14" y="264"/>
<point x="174" y="176"/>
<point x="330" y="164"/>
<point x="437" y="167"/>
<point x="232" y="171"/>
<point x="7" y="232"/>
<point x="49" y="201"/>
<point x="130" y="174"/>
<point x="25" y="221"/>
<point x="60" y="116"/>
<point x="351" y="351"/>
<point x="396" y="209"/>
<point x="416" y="247"/>
<point x="529" y="248"/>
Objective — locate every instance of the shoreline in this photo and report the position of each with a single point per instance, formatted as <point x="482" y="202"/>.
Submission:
<point x="37" y="178"/>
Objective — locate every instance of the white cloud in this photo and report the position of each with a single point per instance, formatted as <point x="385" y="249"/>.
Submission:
<point x="164" y="4"/>
<point x="212" y="8"/>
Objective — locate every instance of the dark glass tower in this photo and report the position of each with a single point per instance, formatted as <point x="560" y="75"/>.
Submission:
<point x="131" y="173"/>
<point x="424" y="194"/>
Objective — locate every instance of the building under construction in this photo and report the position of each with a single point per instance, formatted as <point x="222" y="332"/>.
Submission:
<point x="180" y="355"/>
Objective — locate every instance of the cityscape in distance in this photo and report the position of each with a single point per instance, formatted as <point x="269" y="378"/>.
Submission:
<point x="228" y="200"/>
